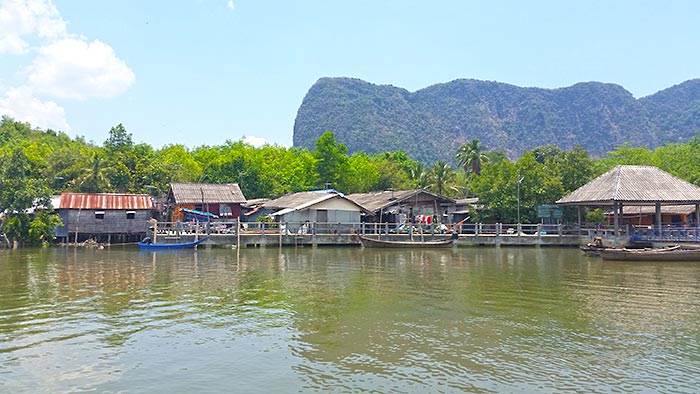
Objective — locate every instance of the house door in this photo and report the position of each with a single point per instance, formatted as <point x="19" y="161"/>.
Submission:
<point x="322" y="220"/>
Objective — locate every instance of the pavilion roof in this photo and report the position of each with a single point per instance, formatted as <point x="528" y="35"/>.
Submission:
<point x="634" y="185"/>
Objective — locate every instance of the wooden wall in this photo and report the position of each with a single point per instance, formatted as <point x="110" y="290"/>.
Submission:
<point x="114" y="221"/>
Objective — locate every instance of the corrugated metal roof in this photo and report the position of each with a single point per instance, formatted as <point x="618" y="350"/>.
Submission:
<point x="293" y="200"/>
<point x="302" y="200"/>
<point x="108" y="201"/>
<point x="375" y="201"/>
<point x="632" y="210"/>
<point x="194" y="193"/>
<point x="634" y="184"/>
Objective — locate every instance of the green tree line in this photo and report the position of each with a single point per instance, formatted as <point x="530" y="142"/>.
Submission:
<point x="34" y="164"/>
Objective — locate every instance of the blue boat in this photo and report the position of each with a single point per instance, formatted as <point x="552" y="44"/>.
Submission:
<point x="185" y="245"/>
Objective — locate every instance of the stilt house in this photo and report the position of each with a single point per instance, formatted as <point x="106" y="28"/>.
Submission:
<point x="103" y="217"/>
<point x="222" y="200"/>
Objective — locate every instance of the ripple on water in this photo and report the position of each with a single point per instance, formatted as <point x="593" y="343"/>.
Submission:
<point x="476" y="320"/>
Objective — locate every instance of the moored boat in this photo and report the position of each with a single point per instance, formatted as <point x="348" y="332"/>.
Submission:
<point x="675" y="253"/>
<point x="593" y="248"/>
<point x="369" y="242"/>
<point x="163" y="246"/>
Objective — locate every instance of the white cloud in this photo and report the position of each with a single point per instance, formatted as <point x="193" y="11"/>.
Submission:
<point x="230" y="5"/>
<point x="255" y="141"/>
<point x="12" y="44"/>
<point x="77" y="69"/>
<point x="19" y="18"/>
<point x="65" y="65"/>
<point x="20" y="104"/>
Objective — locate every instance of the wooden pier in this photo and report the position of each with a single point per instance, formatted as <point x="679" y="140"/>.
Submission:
<point x="336" y="234"/>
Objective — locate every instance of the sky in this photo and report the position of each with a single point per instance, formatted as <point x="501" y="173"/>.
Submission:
<point x="201" y="72"/>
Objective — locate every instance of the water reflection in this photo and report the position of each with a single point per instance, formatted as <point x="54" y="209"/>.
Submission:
<point x="345" y="319"/>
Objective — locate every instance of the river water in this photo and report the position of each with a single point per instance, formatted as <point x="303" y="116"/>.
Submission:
<point x="345" y="320"/>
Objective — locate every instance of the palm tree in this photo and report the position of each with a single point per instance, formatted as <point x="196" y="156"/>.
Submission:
<point x="94" y="177"/>
<point x="442" y="175"/>
<point x="471" y="156"/>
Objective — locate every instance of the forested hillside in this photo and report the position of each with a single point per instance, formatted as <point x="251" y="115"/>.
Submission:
<point x="431" y="123"/>
<point x="675" y="112"/>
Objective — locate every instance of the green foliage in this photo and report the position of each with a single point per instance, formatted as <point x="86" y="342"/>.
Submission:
<point x="119" y="140"/>
<point x="442" y="176"/>
<point x="16" y="227"/>
<point x="331" y="162"/>
<point x="595" y="216"/>
<point x="575" y="168"/>
<point x="365" y="175"/>
<point x="470" y="156"/>
<point x="547" y="152"/>
<point x="497" y="188"/>
<point x="41" y="228"/>
<point x="93" y="175"/>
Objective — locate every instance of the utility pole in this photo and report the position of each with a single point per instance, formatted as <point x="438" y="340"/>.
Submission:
<point x="520" y="179"/>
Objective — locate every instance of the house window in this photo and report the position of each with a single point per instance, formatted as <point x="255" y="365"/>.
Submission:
<point x="130" y="214"/>
<point x="99" y="215"/>
<point x="225" y="210"/>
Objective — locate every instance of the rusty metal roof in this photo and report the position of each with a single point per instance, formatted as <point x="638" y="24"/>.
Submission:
<point x="196" y="193"/>
<point x="107" y="201"/>
<point x="634" y="185"/>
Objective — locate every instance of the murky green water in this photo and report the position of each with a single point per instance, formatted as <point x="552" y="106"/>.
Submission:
<point x="345" y="320"/>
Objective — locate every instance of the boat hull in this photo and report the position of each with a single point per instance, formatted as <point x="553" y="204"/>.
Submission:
<point x="381" y="243"/>
<point x="591" y="250"/>
<point x="651" y="254"/>
<point x="184" y="245"/>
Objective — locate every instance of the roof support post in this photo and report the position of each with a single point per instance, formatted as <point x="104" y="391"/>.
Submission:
<point x="616" y="217"/>
<point x="578" y="209"/>
<point x="658" y="217"/>
<point x="697" y="215"/>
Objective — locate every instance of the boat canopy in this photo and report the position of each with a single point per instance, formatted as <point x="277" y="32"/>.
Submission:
<point x="200" y="216"/>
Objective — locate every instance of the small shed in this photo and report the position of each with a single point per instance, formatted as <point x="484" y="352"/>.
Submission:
<point x="635" y="186"/>
<point x="104" y="217"/>
<point x="461" y="209"/>
<point x="323" y="209"/>
<point x="397" y="206"/>
<point x="223" y="200"/>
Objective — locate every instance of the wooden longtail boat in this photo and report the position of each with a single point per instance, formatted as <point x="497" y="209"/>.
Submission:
<point x="675" y="253"/>
<point x="369" y="242"/>
<point x="169" y="246"/>
<point x="593" y="248"/>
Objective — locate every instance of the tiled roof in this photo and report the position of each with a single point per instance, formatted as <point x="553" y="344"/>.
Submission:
<point x="194" y="193"/>
<point x="636" y="185"/>
<point x="109" y="201"/>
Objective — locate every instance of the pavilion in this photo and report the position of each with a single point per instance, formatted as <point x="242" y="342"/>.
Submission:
<point x="635" y="186"/>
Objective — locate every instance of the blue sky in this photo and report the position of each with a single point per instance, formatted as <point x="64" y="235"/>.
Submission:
<point x="206" y="71"/>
